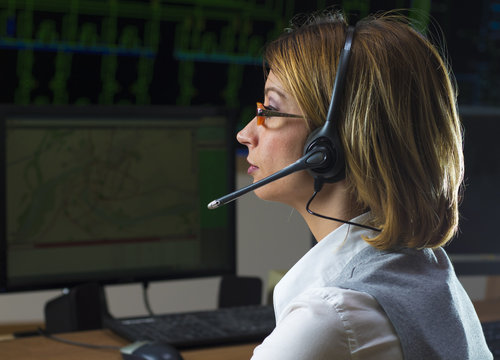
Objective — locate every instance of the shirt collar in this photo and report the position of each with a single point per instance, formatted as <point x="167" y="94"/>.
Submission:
<point x="323" y="262"/>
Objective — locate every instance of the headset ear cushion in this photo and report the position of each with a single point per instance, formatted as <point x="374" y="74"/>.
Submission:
<point x="334" y="169"/>
<point x="310" y="140"/>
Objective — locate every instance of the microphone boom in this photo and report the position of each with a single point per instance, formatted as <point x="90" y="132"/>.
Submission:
<point x="308" y="161"/>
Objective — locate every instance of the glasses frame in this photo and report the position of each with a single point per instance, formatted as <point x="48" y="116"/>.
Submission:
<point x="264" y="112"/>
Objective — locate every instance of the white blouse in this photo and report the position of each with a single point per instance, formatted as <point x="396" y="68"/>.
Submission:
<point x="315" y="320"/>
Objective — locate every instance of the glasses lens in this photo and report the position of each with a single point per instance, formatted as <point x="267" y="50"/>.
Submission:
<point x="260" y="118"/>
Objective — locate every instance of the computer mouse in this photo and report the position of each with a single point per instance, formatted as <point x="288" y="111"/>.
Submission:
<point x="150" y="350"/>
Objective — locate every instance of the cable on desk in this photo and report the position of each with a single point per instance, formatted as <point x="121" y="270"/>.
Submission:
<point x="145" y="297"/>
<point x="76" y="343"/>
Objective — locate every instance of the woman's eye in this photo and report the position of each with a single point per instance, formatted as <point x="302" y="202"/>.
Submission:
<point x="271" y="108"/>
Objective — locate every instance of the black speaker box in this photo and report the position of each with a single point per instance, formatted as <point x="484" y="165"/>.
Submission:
<point x="81" y="308"/>
<point x="239" y="291"/>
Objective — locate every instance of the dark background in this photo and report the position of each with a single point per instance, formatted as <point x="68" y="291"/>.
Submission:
<point x="200" y="52"/>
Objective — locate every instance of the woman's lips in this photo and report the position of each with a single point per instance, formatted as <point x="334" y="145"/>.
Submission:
<point x="251" y="169"/>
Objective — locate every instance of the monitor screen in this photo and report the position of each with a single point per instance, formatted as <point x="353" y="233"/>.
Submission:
<point x="476" y="248"/>
<point x="114" y="195"/>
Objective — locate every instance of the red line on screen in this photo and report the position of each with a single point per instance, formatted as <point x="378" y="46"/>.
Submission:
<point x="100" y="242"/>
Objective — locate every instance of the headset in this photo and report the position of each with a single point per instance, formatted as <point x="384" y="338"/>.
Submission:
<point x="327" y="137"/>
<point x="323" y="153"/>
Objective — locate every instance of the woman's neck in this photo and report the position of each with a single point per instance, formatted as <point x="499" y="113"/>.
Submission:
<point x="334" y="201"/>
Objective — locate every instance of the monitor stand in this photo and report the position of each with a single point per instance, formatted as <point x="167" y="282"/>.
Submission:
<point x="79" y="308"/>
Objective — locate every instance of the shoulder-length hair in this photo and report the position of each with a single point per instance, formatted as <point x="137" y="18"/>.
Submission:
<point x="399" y="126"/>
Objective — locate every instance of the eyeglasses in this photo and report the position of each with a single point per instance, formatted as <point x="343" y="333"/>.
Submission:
<point x="263" y="111"/>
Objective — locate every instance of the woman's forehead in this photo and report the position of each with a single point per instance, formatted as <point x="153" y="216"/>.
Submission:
<point x="273" y="84"/>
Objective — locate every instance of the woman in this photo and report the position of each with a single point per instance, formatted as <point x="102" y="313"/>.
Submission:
<point x="380" y="286"/>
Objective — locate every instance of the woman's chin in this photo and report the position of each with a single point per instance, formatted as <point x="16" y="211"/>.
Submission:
<point x="266" y="194"/>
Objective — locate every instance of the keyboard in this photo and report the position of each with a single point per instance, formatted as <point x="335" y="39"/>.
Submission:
<point x="492" y="334"/>
<point x="222" y="326"/>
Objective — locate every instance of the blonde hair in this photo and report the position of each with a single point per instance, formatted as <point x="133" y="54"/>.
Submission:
<point x="400" y="128"/>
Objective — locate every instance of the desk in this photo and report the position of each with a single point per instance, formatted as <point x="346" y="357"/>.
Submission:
<point x="488" y="310"/>
<point x="41" y="348"/>
<point x="38" y="348"/>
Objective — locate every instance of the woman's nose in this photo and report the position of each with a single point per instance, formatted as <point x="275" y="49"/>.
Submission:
<point x="247" y="136"/>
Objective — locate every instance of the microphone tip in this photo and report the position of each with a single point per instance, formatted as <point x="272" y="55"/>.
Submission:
<point x="214" y="204"/>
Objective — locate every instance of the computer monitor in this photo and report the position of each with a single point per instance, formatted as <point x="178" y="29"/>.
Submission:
<point x="476" y="248"/>
<point x="113" y="194"/>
